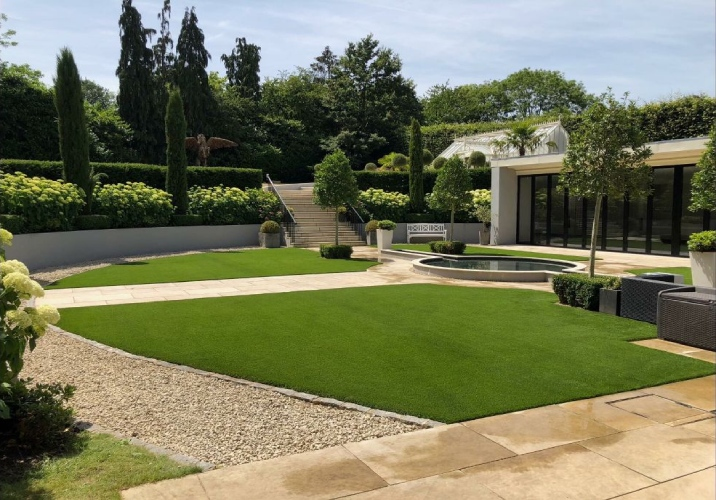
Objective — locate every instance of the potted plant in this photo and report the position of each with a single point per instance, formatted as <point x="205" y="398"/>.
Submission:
<point x="385" y="234"/>
<point x="483" y="213"/>
<point x="702" y="252"/>
<point x="270" y="234"/>
<point x="610" y="297"/>
<point x="370" y="229"/>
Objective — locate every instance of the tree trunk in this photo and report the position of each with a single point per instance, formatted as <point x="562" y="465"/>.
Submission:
<point x="336" y="225"/>
<point x="595" y="229"/>
<point x="452" y="223"/>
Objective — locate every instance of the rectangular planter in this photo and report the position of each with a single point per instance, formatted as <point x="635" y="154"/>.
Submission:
<point x="610" y="301"/>
<point x="703" y="268"/>
<point x="385" y="239"/>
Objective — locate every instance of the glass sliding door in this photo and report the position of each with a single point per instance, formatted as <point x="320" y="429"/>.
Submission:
<point x="541" y="208"/>
<point x="557" y="228"/>
<point x="691" y="222"/>
<point x="662" y="227"/>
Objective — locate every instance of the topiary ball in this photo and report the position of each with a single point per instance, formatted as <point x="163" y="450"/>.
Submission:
<point x="370" y="167"/>
<point x="439" y="162"/>
<point x="270" y="227"/>
<point x="371" y="226"/>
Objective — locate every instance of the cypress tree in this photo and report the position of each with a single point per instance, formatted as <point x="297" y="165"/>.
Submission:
<point x="175" y="125"/>
<point x="417" y="190"/>
<point x="72" y="124"/>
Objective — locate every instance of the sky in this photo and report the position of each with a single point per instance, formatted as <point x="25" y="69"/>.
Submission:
<point x="653" y="49"/>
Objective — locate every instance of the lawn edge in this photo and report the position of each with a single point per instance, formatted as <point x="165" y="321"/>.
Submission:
<point x="425" y="423"/>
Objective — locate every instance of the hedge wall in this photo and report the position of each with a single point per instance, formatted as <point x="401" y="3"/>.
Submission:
<point x="399" y="181"/>
<point x="151" y="175"/>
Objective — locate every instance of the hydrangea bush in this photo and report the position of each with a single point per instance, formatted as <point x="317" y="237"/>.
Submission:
<point x="21" y="323"/>
<point x="44" y="204"/>
<point x="379" y="204"/>
<point x="229" y="205"/>
<point x="133" y="204"/>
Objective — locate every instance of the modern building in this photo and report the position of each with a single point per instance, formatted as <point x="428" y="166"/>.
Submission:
<point x="528" y="207"/>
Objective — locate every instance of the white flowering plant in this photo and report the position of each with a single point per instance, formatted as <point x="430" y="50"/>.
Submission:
<point x="21" y="324"/>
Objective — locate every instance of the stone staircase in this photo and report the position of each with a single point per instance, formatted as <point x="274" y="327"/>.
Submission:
<point x="313" y="224"/>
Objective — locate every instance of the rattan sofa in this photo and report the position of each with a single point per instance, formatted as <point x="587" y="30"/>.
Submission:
<point x="688" y="316"/>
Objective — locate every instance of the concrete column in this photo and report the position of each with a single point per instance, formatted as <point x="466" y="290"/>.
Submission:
<point x="504" y="205"/>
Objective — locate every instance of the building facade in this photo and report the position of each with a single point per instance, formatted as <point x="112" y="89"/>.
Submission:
<point x="529" y="208"/>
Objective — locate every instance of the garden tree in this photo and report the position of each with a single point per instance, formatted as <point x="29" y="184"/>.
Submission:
<point x="463" y="104"/>
<point x="523" y="137"/>
<point x="427" y="155"/>
<point x="137" y="94"/>
<point x="370" y="101"/>
<point x="28" y="118"/>
<point x="334" y="184"/>
<point x="703" y="184"/>
<point x="322" y="68"/>
<point x="192" y="58"/>
<point x="164" y="48"/>
<point x="537" y="92"/>
<point x="175" y="125"/>
<point x="5" y="37"/>
<point x="111" y="139"/>
<point x="452" y="189"/>
<point x="417" y="190"/>
<point x="242" y="69"/>
<point x="72" y="125"/>
<point x="606" y="157"/>
<point x="476" y="159"/>
<point x="97" y="95"/>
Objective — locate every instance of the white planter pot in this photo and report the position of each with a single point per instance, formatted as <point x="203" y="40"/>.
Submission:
<point x="703" y="268"/>
<point x="485" y="236"/>
<point x="385" y="239"/>
<point x="370" y="237"/>
<point x="270" y="240"/>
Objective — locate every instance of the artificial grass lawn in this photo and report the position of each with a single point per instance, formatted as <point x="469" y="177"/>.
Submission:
<point x="443" y="352"/>
<point x="485" y="250"/>
<point x="213" y="266"/>
<point x="685" y="271"/>
<point x="101" y="467"/>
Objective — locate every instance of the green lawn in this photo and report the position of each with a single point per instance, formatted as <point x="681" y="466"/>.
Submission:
<point x="685" y="271"/>
<point x="100" y="468"/>
<point x="447" y="353"/>
<point x="214" y="266"/>
<point x="487" y="250"/>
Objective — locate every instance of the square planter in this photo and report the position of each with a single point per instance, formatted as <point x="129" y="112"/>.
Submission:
<point x="485" y="236"/>
<point x="270" y="240"/>
<point x="610" y="301"/>
<point x="703" y="268"/>
<point x="385" y="239"/>
<point x="370" y="238"/>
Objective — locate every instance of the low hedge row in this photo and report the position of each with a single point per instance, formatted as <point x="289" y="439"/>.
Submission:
<point x="151" y="175"/>
<point x="336" y="251"/>
<point x="579" y="290"/>
<point x="399" y="181"/>
<point x="447" y="247"/>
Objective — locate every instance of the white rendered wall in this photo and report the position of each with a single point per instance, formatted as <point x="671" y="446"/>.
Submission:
<point x="504" y="206"/>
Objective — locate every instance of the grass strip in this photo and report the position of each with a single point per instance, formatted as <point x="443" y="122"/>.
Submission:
<point x="442" y="352"/>
<point x="213" y="266"/>
<point x="684" y="271"/>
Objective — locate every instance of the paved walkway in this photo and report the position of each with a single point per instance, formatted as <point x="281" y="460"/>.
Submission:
<point x="649" y="444"/>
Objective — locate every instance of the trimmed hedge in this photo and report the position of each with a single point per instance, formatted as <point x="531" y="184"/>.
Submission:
<point x="152" y="175"/>
<point x="448" y="247"/>
<point x="88" y="222"/>
<point x="336" y="251"/>
<point x="13" y="223"/>
<point x="579" y="290"/>
<point x="186" y="220"/>
<point x="399" y="181"/>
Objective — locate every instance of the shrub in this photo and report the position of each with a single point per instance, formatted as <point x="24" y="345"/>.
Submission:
<point x="704" y="241"/>
<point x="476" y="159"/>
<point x="219" y="205"/>
<point x="13" y="223"/>
<point x="151" y="175"/>
<point x="379" y="204"/>
<point x="399" y="182"/>
<point x="417" y="218"/>
<point x="87" y="222"/>
<point x="387" y="225"/>
<point x="371" y="226"/>
<point x="186" y="220"/>
<point x="400" y="161"/>
<point x="40" y="421"/>
<point x="45" y="205"/>
<point x="262" y="206"/>
<point x="336" y="251"/>
<point x="370" y="167"/>
<point x="427" y="157"/>
<point x="439" y="162"/>
<point x="448" y="247"/>
<point x="133" y="204"/>
<point x="270" y="227"/>
<point x="579" y="290"/>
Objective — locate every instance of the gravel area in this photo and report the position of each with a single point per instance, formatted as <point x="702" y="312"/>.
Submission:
<point x="211" y="420"/>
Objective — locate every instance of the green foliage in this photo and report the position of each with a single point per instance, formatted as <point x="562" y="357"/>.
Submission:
<point x="427" y="155"/>
<point x="336" y="251"/>
<point x="447" y="247"/>
<point x="110" y="137"/>
<point x="186" y="220"/>
<point x="680" y="118"/>
<point x="45" y="205"/>
<point x="97" y="96"/>
<point x="417" y="188"/>
<point x="13" y="223"/>
<point x="223" y="205"/>
<point x="703" y="184"/>
<point x="451" y="191"/>
<point x="371" y="226"/>
<point x="270" y="227"/>
<point x="439" y="162"/>
<point x="40" y="420"/>
<point x="580" y="290"/>
<point x="482" y="205"/>
<point x="175" y="125"/>
<point x="523" y="137"/>
<point x="94" y="221"/>
<point x="399" y="161"/>
<point x="379" y="204"/>
<point x="151" y="175"/>
<point x="242" y="69"/>
<point x="371" y="167"/>
<point x="420" y="218"/>
<point x="134" y="204"/>
<point x="476" y="159"/>
<point x="334" y="184"/>
<point x="400" y="181"/>
<point x="72" y="124"/>
<point x="703" y="241"/>
<point x="387" y="225"/>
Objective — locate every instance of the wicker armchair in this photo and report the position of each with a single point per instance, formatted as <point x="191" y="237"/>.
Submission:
<point x="688" y="316"/>
<point x="640" y="298"/>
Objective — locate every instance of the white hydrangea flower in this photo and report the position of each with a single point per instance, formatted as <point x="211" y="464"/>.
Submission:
<point x="5" y="237"/>
<point x="23" y="285"/>
<point x="49" y="314"/>
<point x="19" y="318"/>
<point x="12" y="266"/>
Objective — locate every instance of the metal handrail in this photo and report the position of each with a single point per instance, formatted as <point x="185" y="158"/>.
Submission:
<point x="356" y="221"/>
<point x="288" y="220"/>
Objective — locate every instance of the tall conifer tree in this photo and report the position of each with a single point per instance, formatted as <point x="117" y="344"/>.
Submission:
<point x="175" y="126"/>
<point x="417" y="191"/>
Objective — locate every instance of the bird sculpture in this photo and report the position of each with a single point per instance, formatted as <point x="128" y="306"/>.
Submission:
<point x="204" y="148"/>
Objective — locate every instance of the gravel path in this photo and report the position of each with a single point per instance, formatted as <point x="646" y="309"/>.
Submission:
<point x="205" y="418"/>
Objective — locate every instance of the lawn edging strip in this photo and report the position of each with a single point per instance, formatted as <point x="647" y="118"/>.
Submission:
<point x="303" y="396"/>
